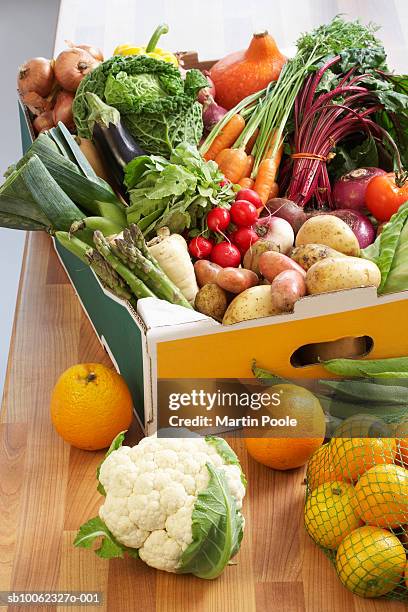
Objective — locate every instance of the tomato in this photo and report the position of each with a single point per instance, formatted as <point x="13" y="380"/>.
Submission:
<point x="200" y="247"/>
<point x="244" y="238"/>
<point x="218" y="219"/>
<point x="243" y="213"/>
<point x="383" y="196"/>
<point x="226" y="255"/>
<point x="250" y="196"/>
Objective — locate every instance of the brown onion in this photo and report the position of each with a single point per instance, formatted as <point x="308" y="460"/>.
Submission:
<point x="94" y="51"/>
<point x="72" y="65"/>
<point x="63" y="109"/>
<point x="36" y="75"/>
<point x="43" y="122"/>
<point x="36" y="103"/>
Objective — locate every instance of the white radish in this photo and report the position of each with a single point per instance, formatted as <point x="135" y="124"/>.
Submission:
<point x="171" y="252"/>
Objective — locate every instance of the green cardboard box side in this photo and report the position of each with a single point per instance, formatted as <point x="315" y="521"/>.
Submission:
<point x="113" y="324"/>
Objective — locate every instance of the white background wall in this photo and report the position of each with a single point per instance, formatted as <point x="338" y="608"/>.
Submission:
<point x="25" y="31"/>
<point x="212" y="27"/>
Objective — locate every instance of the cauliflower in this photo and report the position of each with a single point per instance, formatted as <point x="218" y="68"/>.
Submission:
<point x="168" y="498"/>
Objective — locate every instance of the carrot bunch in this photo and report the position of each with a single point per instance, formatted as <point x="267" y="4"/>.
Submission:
<point x="248" y="153"/>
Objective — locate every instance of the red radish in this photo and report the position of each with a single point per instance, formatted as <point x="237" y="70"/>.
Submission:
<point x="349" y="190"/>
<point x="244" y="238"/>
<point x="276" y="230"/>
<point x="243" y="213"/>
<point x="226" y="255"/>
<point x="218" y="219"/>
<point x="224" y="182"/>
<point x="250" y="196"/>
<point x="200" y="247"/>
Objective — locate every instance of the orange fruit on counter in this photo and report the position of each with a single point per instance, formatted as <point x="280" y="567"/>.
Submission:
<point x="321" y="468"/>
<point x="287" y="451"/>
<point x="354" y="456"/>
<point x="370" y="561"/>
<point x="382" y="496"/>
<point x="90" y="405"/>
<point x="330" y="513"/>
<point x="282" y="453"/>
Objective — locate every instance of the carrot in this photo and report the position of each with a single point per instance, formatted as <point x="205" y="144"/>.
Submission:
<point x="221" y="156"/>
<point x="274" y="192"/>
<point x="232" y="163"/>
<point x="251" y="142"/>
<point x="249" y="164"/>
<point x="226" y="137"/>
<point x="265" y="178"/>
<point x="246" y="183"/>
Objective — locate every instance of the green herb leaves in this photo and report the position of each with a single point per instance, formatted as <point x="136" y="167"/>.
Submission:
<point x="176" y="193"/>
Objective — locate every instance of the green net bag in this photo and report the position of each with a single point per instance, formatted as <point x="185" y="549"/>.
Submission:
<point x="357" y="507"/>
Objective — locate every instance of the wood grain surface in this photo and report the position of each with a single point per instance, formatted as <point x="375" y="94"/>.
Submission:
<point x="47" y="489"/>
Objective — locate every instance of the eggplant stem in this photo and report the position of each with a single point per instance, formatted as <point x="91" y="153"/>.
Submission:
<point x="163" y="28"/>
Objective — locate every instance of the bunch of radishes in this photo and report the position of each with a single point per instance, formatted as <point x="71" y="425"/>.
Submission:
<point x="47" y="87"/>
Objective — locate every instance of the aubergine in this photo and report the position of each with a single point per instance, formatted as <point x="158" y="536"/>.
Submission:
<point x="113" y="141"/>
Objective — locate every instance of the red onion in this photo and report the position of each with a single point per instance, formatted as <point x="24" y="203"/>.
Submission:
<point x="349" y="190"/>
<point x="63" y="109"/>
<point x="286" y="209"/>
<point x="212" y="113"/>
<point x="36" y="75"/>
<point x="359" y="223"/>
<point x="207" y="92"/>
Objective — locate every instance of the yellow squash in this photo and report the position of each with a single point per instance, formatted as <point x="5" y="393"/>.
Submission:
<point x="150" y="49"/>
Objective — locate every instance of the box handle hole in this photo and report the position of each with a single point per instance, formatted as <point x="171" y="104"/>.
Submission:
<point x="349" y="347"/>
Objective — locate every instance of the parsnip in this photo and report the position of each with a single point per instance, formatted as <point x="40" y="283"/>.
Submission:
<point x="171" y="252"/>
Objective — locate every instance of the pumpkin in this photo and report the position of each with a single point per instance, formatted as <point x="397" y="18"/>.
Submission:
<point x="242" y="73"/>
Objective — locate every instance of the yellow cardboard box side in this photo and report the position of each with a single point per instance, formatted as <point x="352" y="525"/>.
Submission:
<point x="229" y="355"/>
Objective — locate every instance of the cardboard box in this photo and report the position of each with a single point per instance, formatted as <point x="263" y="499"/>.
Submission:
<point x="161" y="340"/>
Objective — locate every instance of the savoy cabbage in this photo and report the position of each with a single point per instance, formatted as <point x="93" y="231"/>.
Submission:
<point x="156" y="104"/>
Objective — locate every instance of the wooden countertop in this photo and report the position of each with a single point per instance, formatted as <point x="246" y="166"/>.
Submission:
<point x="47" y="489"/>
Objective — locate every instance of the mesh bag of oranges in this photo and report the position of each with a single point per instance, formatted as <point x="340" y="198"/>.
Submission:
<point x="357" y="510"/>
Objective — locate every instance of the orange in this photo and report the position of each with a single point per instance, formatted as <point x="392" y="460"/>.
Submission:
<point x="282" y="453"/>
<point x="354" y="456"/>
<point x="286" y="452"/>
<point x="401" y="433"/>
<point x="90" y="405"/>
<point x="370" y="561"/>
<point x="321" y="468"/>
<point x="382" y="496"/>
<point x="330" y="513"/>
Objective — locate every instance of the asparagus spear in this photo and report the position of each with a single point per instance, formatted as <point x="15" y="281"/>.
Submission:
<point x="102" y="269"/>
<point x="134" y="234"/>
<point x="136" y="284"/>
<point x="153" y="276"/>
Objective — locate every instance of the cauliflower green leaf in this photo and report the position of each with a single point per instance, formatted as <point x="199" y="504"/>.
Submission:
<point x="115" y="444"/>
<point x="109" y="547"/>
<point x="217" y="528"/>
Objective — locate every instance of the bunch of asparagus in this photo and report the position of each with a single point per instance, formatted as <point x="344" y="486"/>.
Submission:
<point x="124" y="265"/>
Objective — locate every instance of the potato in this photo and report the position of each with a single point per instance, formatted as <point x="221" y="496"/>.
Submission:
<point x="211" y="300"/>
<point x="331" y="231"/>
<point x="272" y="263"/>
<point x="334" y="274"/>
<point x="286" y="289"/>
<point x="308" y="254"/>
<point x="251" y="257"/>
<point x="236" y="280"/>
<point x="253" y="303"/>
<point x="206" y="272"/>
